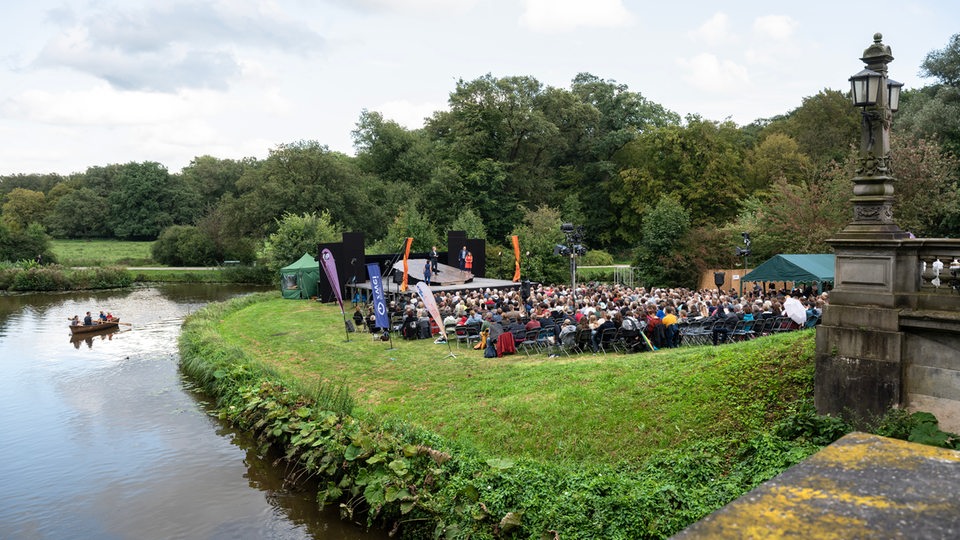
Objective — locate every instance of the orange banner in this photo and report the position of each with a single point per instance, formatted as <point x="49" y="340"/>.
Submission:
<point x="406" y="270"/>
<point x="516" y="252"/>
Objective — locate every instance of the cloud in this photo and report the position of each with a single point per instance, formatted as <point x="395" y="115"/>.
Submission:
<point x="564" y="15"/>
<point x="407" y="114"/>
<point x="708" y="72"/>
<point x="770" y="32"/>
<point x="168" y="47"/>
<point x="776" y="27"/>
<point x="414" y="6"/>
<point x="714" y="30"/>
<point x="104" y="105"/>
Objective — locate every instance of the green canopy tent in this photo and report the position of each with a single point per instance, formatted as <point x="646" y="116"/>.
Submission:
<point x="794" y="268"/>
<point x="299" y="280"/>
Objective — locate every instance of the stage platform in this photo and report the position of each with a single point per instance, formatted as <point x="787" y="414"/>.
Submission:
<point x="450" y="280"/>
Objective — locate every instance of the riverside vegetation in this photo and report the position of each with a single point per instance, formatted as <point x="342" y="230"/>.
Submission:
<point x="103" y="264"/>
<point x="427" y="446"/>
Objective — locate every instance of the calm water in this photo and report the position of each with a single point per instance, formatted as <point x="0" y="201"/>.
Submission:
<point x="101" y="438"/>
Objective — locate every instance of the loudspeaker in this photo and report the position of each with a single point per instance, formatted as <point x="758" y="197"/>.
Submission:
<point x="719" y="278"/>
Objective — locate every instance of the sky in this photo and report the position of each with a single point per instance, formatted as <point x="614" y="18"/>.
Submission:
<point x="95" y="82"/>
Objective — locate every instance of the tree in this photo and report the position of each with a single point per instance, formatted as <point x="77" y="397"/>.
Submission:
<point x="926" y="189"/>
<point x="700" y="163"/>
<point x="306" y="177"/>
<point x="25" y="244"/>
<point x="391" y="152"/>
<point x="824" y="126"/>
<point x="409" y="223"/>
<point x="229" y="243"/>
<point x="777" y="156"/>
<point x="33" y="182"/>
<point x="664" y="226"/>
<point x="212" y="178"/>
<point x="933" y="112"/>
<point x="589" y="170"/>
<point x="144" y="199"/>
<point x="184" y="245"/>
<point x="296" y="235"/>
<point x="539" y="233"/>
<point x="623" y="114"/>
<point x="23" y="207"/>
<point x="944" y="64"/>
<point x="496" y="145"/>
<point x="799" y="218"/>
<point x="469" y="221"/>
<point x="78" y="213"/>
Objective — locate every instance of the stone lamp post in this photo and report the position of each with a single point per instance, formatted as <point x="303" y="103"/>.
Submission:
<point x="879" y="98"/>
<point x="860" y="341"/>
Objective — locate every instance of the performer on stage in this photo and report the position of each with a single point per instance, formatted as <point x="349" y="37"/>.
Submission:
<point x="434" y="258"/>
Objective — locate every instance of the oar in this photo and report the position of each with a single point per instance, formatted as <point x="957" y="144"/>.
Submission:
<point x="125" y="323"/>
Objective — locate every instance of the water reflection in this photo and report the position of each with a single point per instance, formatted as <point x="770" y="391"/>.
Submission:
<point x="89" y="337"/>
<point x="105" y="441"/>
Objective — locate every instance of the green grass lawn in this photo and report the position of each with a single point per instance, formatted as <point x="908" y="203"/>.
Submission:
<point x="102" y="253"/>
<point x="588" y="407"/>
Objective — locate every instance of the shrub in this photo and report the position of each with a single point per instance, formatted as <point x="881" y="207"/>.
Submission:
<point x="100" y="278"/>
<point x="256" y="275"/>
<point x="45" y="278"/>
<point x="184" y="245"/>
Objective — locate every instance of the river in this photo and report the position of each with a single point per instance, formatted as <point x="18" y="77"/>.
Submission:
<point x="103" y="438"/>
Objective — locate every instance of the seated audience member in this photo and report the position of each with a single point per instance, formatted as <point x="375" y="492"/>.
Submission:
<point x="604" y="323"/>
<point x="729" y="319"/>
<point x="568" y="333"/>
<point x="410" y="324"/>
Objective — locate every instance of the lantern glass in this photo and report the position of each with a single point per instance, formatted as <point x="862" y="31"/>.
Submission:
<point x="865" y="88"/>
<point x="893" y="87"/>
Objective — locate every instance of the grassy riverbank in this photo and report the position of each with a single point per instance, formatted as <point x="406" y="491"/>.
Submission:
<point x="590" y="407"/>
<point x="632" y="446"/>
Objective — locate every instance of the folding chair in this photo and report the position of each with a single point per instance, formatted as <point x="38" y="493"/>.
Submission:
<point x="463" y="335"/>
<point x="606" y="340"/>
<point x="582" y="343"/>
<point x="742" y="331"/>
<point x="529" y="341"/>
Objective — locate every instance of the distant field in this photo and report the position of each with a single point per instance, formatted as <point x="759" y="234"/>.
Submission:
<point x="102" y="253"/>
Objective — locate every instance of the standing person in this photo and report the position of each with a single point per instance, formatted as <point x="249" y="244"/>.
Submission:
<point x="463" y="260"/>
<point x="426" y="273"/>
<point x="468" y="264"/>
<point x="434" y="258"/>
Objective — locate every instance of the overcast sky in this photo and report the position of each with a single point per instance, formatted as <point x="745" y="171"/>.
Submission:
<point x="94" y="82"/>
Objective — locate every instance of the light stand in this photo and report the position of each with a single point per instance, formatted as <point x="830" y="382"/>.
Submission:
<point x="573" y="248"/>
<point x="745" y="253"/>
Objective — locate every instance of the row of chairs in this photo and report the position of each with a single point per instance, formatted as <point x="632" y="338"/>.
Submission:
<point x="701" y="332"/>
<point x="616" y="340"/>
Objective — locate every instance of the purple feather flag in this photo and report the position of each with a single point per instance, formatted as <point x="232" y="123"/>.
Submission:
<point x="330" y="269"/>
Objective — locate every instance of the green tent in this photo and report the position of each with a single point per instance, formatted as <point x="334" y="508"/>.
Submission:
<point x="299" y="280"/>
<point x="795" y="268"/>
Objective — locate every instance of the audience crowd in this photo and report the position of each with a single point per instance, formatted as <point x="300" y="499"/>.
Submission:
<point x="642" y="318"/>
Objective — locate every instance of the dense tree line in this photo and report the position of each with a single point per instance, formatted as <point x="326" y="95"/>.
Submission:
<point x="512" y="156"/>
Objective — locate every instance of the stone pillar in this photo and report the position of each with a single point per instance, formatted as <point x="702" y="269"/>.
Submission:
<point x="859" y="364"/>
<point x="859" y="361"/>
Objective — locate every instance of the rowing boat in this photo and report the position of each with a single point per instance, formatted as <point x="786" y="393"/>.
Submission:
<point x="97" y="326"/>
